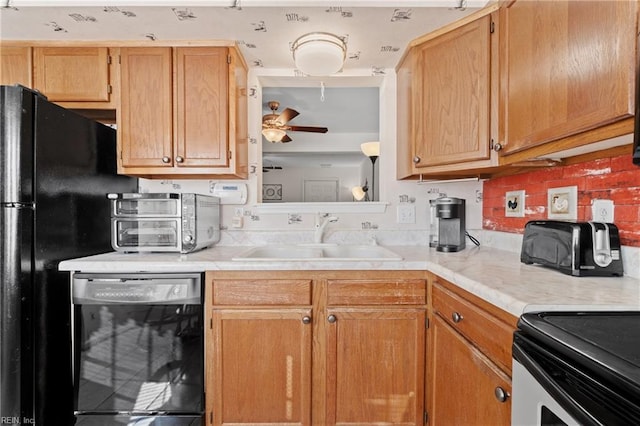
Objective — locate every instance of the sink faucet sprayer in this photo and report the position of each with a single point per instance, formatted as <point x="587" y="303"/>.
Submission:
<point x="320" y="225"/>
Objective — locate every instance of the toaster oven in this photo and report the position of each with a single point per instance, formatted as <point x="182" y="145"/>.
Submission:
<point x="164" y="222"/>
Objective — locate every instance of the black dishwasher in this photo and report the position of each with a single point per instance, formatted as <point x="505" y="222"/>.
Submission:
<point x="138" y="348"/>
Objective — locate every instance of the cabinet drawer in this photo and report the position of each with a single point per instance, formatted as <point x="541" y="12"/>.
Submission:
<point x="376" y="292"/>
<point x="261" y="292"/>
<point x="488" y="333"/>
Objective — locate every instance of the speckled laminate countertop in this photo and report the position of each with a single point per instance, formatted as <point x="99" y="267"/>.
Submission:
<point x="496" y="276"/>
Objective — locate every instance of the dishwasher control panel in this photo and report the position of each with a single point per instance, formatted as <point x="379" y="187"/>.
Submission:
<point x="137" y="288"/>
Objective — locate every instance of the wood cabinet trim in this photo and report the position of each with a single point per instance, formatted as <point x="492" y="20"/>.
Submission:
<point x="261" y="292"/>
<point x="376" y="292"/>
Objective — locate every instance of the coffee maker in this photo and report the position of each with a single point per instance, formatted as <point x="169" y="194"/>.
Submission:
<point x="450" y="213"/>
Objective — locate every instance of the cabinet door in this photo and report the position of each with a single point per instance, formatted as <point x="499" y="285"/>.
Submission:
<point x="375" y="366"/>
<point x="567" y="67"/>
<point x="15" y="65"/>
<point x="72" y="74"/>
<point x="261" y="372"/>
<point x="405" y="98"/>
<point x="145" y="113"/>
<point x="202" y="111"/>
<point x="452" y="116"/>
<point x="462" y="382"/>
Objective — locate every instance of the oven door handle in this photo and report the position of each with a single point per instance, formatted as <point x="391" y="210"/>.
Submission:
<point x="521" y="353"/>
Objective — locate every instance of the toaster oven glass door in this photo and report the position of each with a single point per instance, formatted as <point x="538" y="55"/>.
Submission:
<point x="149" y="233"/>
<point x="142" y="207"/>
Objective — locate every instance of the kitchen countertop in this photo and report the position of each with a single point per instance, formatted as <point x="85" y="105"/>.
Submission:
<point x="494" y="275"/>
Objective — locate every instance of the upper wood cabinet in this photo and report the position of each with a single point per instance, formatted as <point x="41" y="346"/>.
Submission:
<point x="16" y="65"/>
<point x="182" y="112"/>
<point x="566" y="67"/>
<point x="445" y="101"/>
<point x="75" y="77"/>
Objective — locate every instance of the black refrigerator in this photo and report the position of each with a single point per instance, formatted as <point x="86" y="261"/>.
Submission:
<point x="56" y="168"/>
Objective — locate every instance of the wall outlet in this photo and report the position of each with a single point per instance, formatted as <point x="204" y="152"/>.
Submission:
<point x="406" y="213"/>
<point x="602" y="210"/>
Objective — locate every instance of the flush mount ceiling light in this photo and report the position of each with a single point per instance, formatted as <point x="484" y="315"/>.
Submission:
<point x="319" y="54"/>
<point x="273" y="135"/>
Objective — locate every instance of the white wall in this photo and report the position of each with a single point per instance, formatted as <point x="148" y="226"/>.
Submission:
<point x="389" y="189"/>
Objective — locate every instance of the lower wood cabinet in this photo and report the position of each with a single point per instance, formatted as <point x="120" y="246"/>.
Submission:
<point x="258" y="358"/>
<point x="315" y="347"/>
<point x="353" y="348"/>
<point x="262" y="364"/>
<point x="464" y="382"/>
<point x="375" y="350"/>
<point x="469" y="359"/>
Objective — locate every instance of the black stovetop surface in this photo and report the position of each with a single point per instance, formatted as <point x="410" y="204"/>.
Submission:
<point x="605" y="342"/>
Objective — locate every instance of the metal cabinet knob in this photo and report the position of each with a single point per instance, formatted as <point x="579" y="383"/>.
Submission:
<point x="306" y="319"/>
<point x="497" y="147"/>
<point x="165" y="159"/>
<point x="332" y="318"/>
<point x="456" y="317"/>
<point x="416" y="159"/>
<point x="179" y="159"/>
<point x="501" y="394"/>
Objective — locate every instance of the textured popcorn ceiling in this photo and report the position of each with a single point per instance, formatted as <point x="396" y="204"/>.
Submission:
<point x="376" y="32"/>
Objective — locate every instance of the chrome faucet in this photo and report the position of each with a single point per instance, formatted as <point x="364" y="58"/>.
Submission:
<point x="320" y="225"/>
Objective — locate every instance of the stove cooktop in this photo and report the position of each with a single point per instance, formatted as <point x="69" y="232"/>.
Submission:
<point x="606" y="343"/>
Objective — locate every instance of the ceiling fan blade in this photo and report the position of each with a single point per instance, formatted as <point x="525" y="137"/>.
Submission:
<point x="308" y="129"/>
<point x="287" y="114"/>
<point x="286" y="139"/>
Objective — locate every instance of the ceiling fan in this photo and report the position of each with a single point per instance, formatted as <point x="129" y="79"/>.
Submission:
<point x="274" y="125"/>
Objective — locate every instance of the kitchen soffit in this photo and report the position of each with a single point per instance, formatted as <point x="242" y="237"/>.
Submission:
<point x="376" y="32"/>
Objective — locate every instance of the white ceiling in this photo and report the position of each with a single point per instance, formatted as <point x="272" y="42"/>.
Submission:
<point x="376" y="32"/>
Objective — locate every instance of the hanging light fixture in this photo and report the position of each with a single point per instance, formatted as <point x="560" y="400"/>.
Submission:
<point x="372" y="150"/>
<point x="273" y="135"/>
<point x="319" y="53"/>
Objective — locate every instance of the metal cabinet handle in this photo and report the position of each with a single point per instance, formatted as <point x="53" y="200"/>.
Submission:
<point x="332" y="318"/>
<point x="497" y="147"/>
<point x="456" y="317"/>
<point x="165" y="159"/>
<point x="501" y="394"/>
<point x="306" y="319"/>
<point x="179" y="159"/>
<point x="416" y="159"/>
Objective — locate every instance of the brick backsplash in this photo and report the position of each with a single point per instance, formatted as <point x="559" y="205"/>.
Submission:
<point x="616" y="179"/>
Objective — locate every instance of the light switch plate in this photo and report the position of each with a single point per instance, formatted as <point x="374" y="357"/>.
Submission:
<point x="406" y="213"/>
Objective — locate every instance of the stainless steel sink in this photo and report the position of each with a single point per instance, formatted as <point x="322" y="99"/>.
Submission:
<point x="317" y="252"/>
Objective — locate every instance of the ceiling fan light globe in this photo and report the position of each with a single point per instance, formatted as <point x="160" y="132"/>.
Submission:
<point x="319" y="54"/>
<point x="273" y="135"/>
